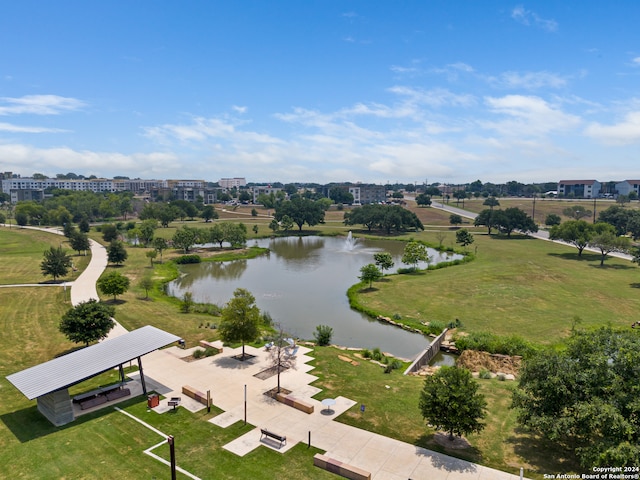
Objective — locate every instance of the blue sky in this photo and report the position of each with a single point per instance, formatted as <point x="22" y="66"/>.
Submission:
<point x="321" y="91"/>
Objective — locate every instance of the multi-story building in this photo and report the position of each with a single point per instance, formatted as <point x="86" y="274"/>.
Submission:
<point x="229" y="183"/>
<point x="364" y="194"/>
<point x="258" y="190"/>
<point x="579" y="188"/>
<point x="627" y="186"/>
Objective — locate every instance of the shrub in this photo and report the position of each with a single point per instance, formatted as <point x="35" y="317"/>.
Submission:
<point x="198" y="353"/>
<point x="455" y="324"/>
<point x="187" y="302"/>
<point x="397" y="316"/>
<point x="366" y="353"/>
<point x="376" y="354"/>
<point x="323" y="335"/>
<point x="489" y="342"/>
<point x="184" y="259"/>
<point x="484" y="373"/>
<point x="267" y="320"/>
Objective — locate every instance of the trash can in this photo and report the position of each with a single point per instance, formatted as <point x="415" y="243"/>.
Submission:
<point x="153" y="401"/>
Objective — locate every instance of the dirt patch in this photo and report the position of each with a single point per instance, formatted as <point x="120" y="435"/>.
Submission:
<point x="458" y="443"/>
<point x="476" y="361"/>
<point x="348" y="360"/>
<point x="274" y="391"/>
<point x="269" y="372"/>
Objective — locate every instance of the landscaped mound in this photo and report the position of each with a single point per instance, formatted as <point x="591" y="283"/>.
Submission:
<point x="477" y="361"/>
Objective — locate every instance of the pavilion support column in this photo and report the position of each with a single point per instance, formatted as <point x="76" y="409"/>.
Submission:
<point x="122" y="379"/>
<point x="144" y="385"/>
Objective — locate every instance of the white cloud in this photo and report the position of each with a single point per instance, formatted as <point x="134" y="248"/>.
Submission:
<point x="635" y="61"/>
<point x="8" y="127"/>
<point x="239" y="109"/>
<point x="527" y="115"/>
<point x="437" y="97"/>
<point x="622" y="133"/>
<point x="39" y="105"/>
<point x="528" y="80"/>
<point x="527" y="17"/>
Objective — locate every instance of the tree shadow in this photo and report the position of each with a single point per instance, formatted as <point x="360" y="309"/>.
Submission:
<point x="611" y="267"/>
<point x="543" y="455"/>
<point x="458" y="464"/>
<point x="585" y="257"/>
<point x="514" y="236"/>
<point x="635" y="285"/>
<point x="368" y="290"/>
<point x="116" y="301"/>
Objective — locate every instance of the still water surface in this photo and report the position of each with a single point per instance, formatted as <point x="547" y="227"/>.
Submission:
<point x="302" y="283"/>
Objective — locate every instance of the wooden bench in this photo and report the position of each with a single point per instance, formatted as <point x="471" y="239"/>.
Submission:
<point x="343" y="469"/>
<point x="295" y="403"/>
<point x="267" y="433"/>
<point x="205" y="344"/>
<point x="93" y="402"/>
<point x="195" y="394"/>
<point x="98" y="391"/>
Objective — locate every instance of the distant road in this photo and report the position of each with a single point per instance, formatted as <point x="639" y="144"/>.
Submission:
<point x="540" y="234"/>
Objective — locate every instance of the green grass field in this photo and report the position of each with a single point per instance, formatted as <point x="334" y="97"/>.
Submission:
<point x="524" y="286"/>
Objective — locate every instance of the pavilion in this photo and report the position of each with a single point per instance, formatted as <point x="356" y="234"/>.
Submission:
<point x="49" y="382"/>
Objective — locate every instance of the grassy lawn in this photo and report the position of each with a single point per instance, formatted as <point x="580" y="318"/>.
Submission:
<point x="21" y="251"/>
<point x="518" y="285"/>
<point x="391" y="409"/>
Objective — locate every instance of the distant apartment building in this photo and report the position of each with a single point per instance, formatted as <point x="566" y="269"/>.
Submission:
<point x="628" y="186"/>
<point x="579" y="188"/>
<point x="365" y="194"/>
<point x="229" y="183"/>
<point x="258" y="190"/>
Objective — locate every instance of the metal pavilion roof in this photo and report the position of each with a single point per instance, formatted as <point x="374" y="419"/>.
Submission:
<point x="62" y="372"/>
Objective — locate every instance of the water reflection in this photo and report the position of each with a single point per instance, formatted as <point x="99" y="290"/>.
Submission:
<point x="302" y="284"/>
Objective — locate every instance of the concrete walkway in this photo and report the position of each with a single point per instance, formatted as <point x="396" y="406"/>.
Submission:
<point x="226" y="378"/>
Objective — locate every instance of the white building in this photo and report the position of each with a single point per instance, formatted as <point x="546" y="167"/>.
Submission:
<point x="627" y="186"/>
<point x="229" y="183"/>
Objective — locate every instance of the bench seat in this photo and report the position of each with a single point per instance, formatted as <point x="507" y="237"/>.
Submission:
<point x="343" y="469"/>
<point x="281" y="438"/>
<point x="295" y="402"/>
<point x="197" y="395"/>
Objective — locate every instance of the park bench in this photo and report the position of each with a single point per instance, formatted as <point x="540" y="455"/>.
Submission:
<point x="295" y="403"/>
<point x="205" y="344"/>
<point x="197" y="395"/>
<point x="282" y="439"/>
<point x="98" y="391"/>
<point x="343" y="469"/>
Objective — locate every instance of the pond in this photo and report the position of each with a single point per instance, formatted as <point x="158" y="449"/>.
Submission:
<point x="302" y="283"/>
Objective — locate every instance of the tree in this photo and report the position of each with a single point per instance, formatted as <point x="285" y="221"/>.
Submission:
<point x="383" y="260"/>
<point x="576" y="232"/>
<point x="84" y="226"/>
<point x="185" y="238"/>
<point x="301" y="211"/>
<point x="281" y="356"/>
<point x="109" y="232"/>
<point x="450" y="401"/>
<point x="415" y="252"/>
<point x="146" y="283"/>
<point x="552" y="219"/>
<point x="208" y="213"/>
<point x="87" y="322"/>
<point x="160" y="245"/>
<point x="455" y="219"/>
<point x="464" y="237"/>
<point x="146" y="231"/>
<point x="576" y="212"/>
<point x="460" y="195"/>
<point x="491" y="202"/>
<point x="370" y="273"/>
<point x="423" y="200"/>
<point x="55" y="263"/>
<point x="79" y="242"/>
<point x="240" y="319"/>
<point x="116" y="252"/>
<point x="113" y="283"/>
<point x="585" y="396"/>
<point x="151" y="255"/>
<point x="274" y="225"/>
<point x="286" y="223"/>
<point x="607" y="242"/>
<point x="514" y="219"/>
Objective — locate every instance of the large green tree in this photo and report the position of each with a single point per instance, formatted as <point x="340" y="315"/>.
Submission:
<point x="585" y="396"/>
<point x="87" y="322"/>
<point x="185" y="238"/>
<point x="514" y="218"/>
<point x="384" y="260"/>
<point x="576" y="232"/>
<point x="79" y="241"/>
<point x="240" y="319"/>
<point x="113" y="283"/>
<point x="606" y="241"/>
<point x="450" y="401"/>
<point x="56" y="262"/>
<point x="301" y="210"/>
